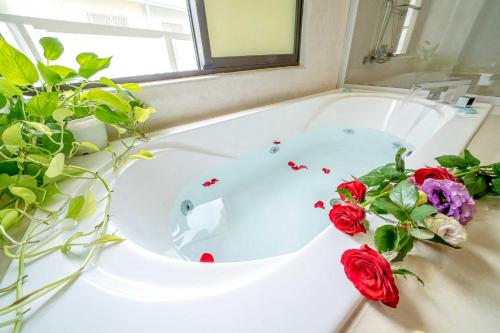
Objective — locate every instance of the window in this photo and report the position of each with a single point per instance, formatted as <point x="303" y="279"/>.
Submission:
<point x="159" y="39"/>
<point x="408" y="25"/>
<point x="239" y="33"/>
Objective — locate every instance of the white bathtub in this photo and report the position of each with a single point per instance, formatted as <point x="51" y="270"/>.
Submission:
<point x="135" y="286"/>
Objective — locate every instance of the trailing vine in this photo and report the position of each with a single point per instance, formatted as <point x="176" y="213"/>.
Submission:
<point x="38" y="102"/>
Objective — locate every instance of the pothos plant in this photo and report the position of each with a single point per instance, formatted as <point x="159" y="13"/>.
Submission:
<point x="36" y="148"/>
<point x="428" y="204"/>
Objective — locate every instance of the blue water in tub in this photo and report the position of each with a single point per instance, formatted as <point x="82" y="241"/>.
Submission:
<point x="263" y="204"/>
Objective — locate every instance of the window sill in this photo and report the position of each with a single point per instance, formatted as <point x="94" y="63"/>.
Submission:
<point x="202" y="76"/>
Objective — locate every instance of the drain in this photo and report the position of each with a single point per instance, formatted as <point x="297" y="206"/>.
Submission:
<point x="348" y="130"/>
<point x="335" y="201"/>
<point x="186" y="207"/>
<point x="274" y="149"/>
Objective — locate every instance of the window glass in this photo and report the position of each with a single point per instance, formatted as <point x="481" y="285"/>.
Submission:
<point x="267" y="27"/>
<point x="144" y="37"/>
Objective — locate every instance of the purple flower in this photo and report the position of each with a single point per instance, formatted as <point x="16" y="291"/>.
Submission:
<point x="450" y="198"/>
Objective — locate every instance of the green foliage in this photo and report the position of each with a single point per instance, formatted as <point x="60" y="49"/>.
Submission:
<point x="419" y="213"/>
<point x="404" y="195"/>
<point x="404" y="272"/>
<point x="90" y="64"/>
<point x="387" y="206"/>
<point x="52" y="48"/>
<point x="452" y="161"/>
<point x="36" y="148"/>
<point x="386" y="238"/>
<point x="15" y="66"/>
<point x="399" y="161"/>
<point x="471" y="159"/>
<point x="382" y="175"/>
<point x="347" y="194"/>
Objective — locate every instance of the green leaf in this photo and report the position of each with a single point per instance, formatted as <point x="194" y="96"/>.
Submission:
<point x="16" y="111"/>
<point x="476" y="185"/>
<point x="81" y="207"/>
<point x="112" y="100"/>
<point x="67" y="140"/>
<point x="495" y="185"/>
<point x="405" y="244"/>
<point x="63" y="71"/>
<point x="452" y="161"/>
<point x="9" y="218"/>
<point x="143" y="154"/>
<point x="92" y="66"/>
<point x="422" y="234"/>
<point x="48" y="75"/>
<point x="43" y="104"/>
<point x="109" y="238"/>
<point x="131" y="86"/>
<point x="5" y="181"/>
<point x="3" y="101"/>
<point x="142" y="114"/>
<point x="400" y="163"/>
<point x="471" y="159"/>
<point x="52" y="48"/>
<point x="385" y="238"/>
<point x="12" y="135"/>
<point x="419" y="213"/>
<point x="88" y="208"/>
<point x="61" y="114"/>
<point x="9" y="90"/>
<point x="347" y="194"/>
<point x="89" y="145"/>
<point x="84" y="57"/>
<point x="405" y="195"/>
<point x="15" y="66"/>
<point x="39" y="127"/>
<point x="109" y="83"/>
<point x="24" y="181"/>
<point x="108" y="116"/>
<point x="56" y="166"/>
<point x="404" y="272"/>
<point x="496" y="168"/>
<point x="24" y="193"/>
<point x="382" y="174"/>
<point x="391" y="208"/>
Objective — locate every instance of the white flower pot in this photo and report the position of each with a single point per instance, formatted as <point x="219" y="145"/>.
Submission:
<point x="89" y="129"/>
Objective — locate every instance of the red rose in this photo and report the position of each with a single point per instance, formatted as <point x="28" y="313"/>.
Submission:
<point x="348" y="218"/>
<point x="434" y="173"/>
<point x="371" y="274"/>
<point x="356" y="188"/>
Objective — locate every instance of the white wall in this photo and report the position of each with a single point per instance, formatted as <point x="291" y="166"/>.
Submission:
<point x="185" y="100"/>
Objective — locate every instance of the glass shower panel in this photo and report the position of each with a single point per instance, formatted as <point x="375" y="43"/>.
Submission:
<point x="397" y="43"/>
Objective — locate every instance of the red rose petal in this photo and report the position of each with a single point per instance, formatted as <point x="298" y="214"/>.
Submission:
<point x="326" y="170"/>
<point x="210" y="182"/>
<point x="207" y="257"/>
<point x="319" y="204"/>
<point x="296" y="167"/>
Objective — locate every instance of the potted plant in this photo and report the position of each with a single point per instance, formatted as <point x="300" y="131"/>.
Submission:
<point x="48" y="116"/>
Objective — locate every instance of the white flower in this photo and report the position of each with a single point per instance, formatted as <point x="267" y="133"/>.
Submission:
<point x="447" y="228"/>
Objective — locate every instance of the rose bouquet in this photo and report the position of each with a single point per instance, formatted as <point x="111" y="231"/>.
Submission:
<point x="428" y="204"/>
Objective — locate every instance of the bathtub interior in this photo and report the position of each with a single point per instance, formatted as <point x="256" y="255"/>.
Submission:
<point x="182" y="161"/>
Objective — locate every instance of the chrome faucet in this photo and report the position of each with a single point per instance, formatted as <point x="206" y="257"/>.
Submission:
<point x="457" y="87"/>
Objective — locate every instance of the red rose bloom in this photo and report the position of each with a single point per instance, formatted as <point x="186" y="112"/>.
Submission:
<point x="356" y="188"/>
<point x="348" y="218"/>
<point x="434" y="173"/>
<point x="371" y="274"/>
